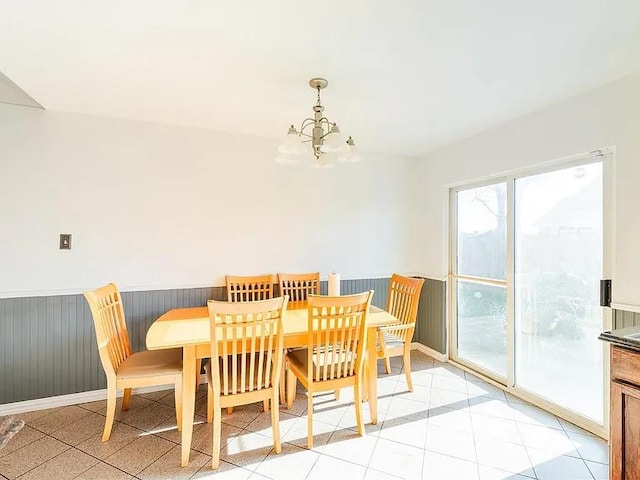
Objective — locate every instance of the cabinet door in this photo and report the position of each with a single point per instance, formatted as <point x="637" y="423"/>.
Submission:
<point x="625" y="432"/>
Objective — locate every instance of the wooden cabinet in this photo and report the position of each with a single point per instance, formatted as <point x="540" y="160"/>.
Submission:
<point x="624" y="444"/>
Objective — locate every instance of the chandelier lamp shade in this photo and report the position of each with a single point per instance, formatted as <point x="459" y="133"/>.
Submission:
<point x="317" y="135"/>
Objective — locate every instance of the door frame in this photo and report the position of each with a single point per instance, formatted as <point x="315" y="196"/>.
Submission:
<point x="607" y="157"/>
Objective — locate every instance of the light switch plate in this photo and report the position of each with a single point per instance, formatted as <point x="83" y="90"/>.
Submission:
<point x="65" y="241"/>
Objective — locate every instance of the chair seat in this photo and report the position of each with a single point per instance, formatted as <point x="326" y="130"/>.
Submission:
<point x="151" y="363"/>
<point x="300" y="359"/>
<point x="247" y="380"/>
<point x="392" y="341"/>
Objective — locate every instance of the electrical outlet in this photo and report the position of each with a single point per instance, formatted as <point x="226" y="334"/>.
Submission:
<point x="65" y="241"/>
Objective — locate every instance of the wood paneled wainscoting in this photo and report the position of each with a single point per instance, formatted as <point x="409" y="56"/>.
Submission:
<point x="48" y="345"/>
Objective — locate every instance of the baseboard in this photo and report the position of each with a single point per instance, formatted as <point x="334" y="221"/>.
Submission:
<point x="96" y="395"/>
<point x="74" y="399"/>
<point x="441" y="357"/>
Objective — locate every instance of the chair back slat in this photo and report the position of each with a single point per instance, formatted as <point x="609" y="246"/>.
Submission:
<point x="337" y="335"/>
<point x="402" y="302"/>
<point x="246" y="344"/>
<point x="298" y="286"/>
<point x="111" y="329"/>
<point x="249" y="288"/>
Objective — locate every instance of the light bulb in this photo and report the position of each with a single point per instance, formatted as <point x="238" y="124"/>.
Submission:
<point x="324" y="161"/>
<point x="334" y="141"/>
<point x="352" y="154"/>
<point x="291" y="144"/>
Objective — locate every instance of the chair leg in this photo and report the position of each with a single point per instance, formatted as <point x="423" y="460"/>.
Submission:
<point x="126" y="398"/>
<point x="229" y="410"/>
<point x="178" y="394"/>
<point x="210" y="403"/>
<point x="198" y="370"/>
<point x="382" y="352"/>
<point x="275" y="420"/>
<point x="283" y="378"/>
<point x="111" y="412"/>
<point x="387" y="365"/>
<point x="309" y="420"/>
<point x="357" y="397"/>
<point x="336" y="394"/>
<point x="291" y="388"/>
<point x="265" y="405"/>
<point x="407" y="368"/>
<point x="217" y="433"/>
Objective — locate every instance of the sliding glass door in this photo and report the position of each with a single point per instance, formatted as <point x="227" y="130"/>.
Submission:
<point x="558" y="267"/>
<point x="527" y="258"/>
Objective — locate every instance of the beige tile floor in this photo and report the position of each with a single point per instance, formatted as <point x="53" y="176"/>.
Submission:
<point x="452" y="426"/>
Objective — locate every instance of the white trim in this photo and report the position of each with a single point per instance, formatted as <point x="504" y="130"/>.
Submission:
<point x="626" y="307"/>
<point x="455" y="277"/>
<point x="608" y="267"/>
<point x="451" y="304"/>
<point x="510" y="283"/>
<point x="540" y="167"/>
<point x="81" y="290"/>
<point x="441" y="357"/>
<point x="607" y="157"/>
<point x="146" y="288"/>
<point x="74" y="399"/>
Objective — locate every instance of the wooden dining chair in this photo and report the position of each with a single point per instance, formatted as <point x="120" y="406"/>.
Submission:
<point x="395" y="340"/>
<point x="123" y="368"/>
<point x="249" y="288"/>
<point x="246" y="360"/>
<point x="334" y="356"/>
<point x="298" y="286"/>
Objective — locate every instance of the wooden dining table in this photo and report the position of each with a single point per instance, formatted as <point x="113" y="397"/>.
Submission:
<point x="189" y="329"/>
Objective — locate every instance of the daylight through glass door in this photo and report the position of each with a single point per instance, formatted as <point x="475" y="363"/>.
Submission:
<point x="527" y="255"/>
<point x="558" y="267"/>
<point x="481" y="277"/>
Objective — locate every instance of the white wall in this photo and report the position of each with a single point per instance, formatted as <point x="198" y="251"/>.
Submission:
<point x="153" y="206"/>
<point x="609" y="115"/>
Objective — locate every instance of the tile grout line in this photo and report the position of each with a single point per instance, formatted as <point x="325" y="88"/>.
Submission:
<point x="533" y="467"/>
<point x="577" y="450"/>
<point x="37" y="466"/>
<point x="566" y="432"/>
<point x="473" y="435"/>
<point x="378" y="436"/>
<point x="478" y="463"/>
<point x="81" y="451"/>
<point x="336" y="427"/>
<point x="581" y="457"/>
<point x="426" y="437"/>
<point x="74" y="447"/>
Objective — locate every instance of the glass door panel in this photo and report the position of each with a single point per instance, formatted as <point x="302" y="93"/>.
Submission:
<point x="482" y="325"/>
<point x="482" y="232"/>
<point x="480" y="274"/>
<point x="558" y="264"/>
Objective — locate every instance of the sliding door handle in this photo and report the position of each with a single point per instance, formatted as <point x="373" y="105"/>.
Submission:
<point x="605" y="293"/>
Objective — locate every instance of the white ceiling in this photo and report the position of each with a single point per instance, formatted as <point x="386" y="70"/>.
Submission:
<point x="12" y="94"/>
<point x="405" y="76"/>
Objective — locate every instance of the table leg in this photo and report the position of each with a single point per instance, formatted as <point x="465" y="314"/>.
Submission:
<point x="188" y="400"/>
<point x="372" y="367"/>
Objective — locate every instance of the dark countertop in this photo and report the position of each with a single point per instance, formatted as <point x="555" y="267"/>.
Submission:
<point x="623" y="337"/>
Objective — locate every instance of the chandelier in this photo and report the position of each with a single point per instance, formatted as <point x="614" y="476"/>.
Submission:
<point x="324" y="138"/>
